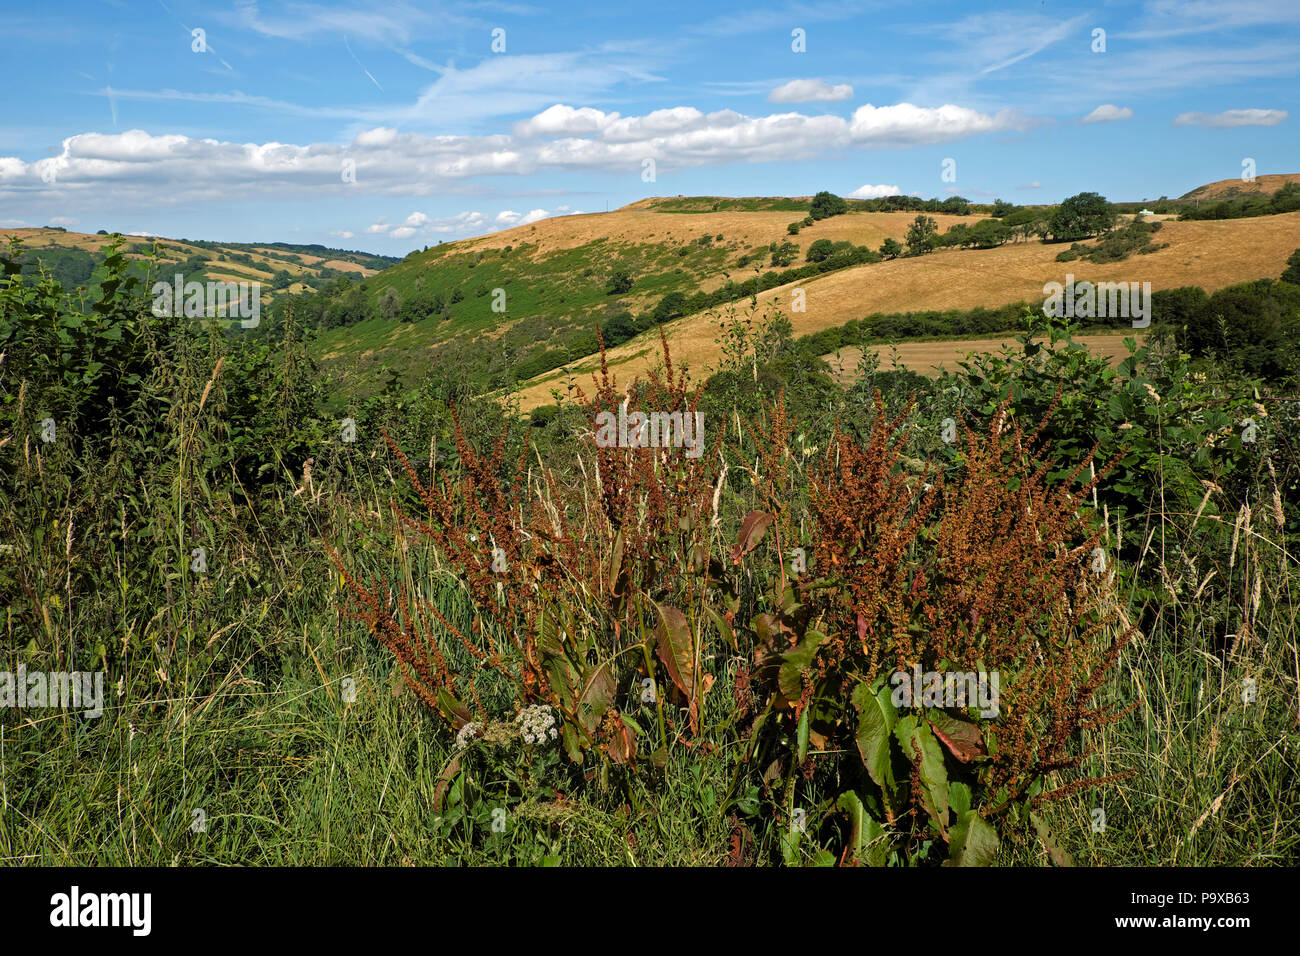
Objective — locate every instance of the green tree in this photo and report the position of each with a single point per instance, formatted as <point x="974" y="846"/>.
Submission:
<point x="826" y="204"/>
<point x="1292" y="274"/>
<point x="891" y="249"/>
<point x="671" y="306"/>
<point x="919" y="234"/>
<point x="783" y="255"/>
<point x="819" y="250"/>
<point x="1080" y="216"/>
<point x="390" y="303"/>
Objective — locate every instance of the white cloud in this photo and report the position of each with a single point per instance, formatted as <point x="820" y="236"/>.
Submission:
<point x="64" y="221"/>
<point x="341" y="234"/>
<point x="874" y="192"/>
<point x="809" y="91"/>
<point x="1229" y="118"/>
<point x="908" y="125"/>
<point x="1034" y="185"/>
<point x="1108" y="112"/>
<point x="561" y="120"/>
<point x="135" y="166"/>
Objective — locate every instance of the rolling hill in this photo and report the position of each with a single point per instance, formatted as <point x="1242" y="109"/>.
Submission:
<point x="555" y="275"/>
<point x="1210" y="254"/>
<point x="1228" y="188"/>
<point x="281" y="267"/>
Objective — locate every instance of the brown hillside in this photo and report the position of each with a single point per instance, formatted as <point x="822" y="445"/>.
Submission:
<point x="1226" y="188"/>
<point x="1209" y="254"/>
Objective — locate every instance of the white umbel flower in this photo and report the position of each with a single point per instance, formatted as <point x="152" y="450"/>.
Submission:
<point x="537" y="724"/>
<point x="467" y="733"/>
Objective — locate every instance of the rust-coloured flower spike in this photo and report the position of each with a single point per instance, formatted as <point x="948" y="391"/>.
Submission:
<point x="1004" y="585"/>
<point x="552" y="570"/>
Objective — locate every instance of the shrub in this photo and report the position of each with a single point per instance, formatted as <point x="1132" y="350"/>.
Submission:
<point x="819" y="250"/>
<point x="783" y="255"/>
<point x="1292" y="273"/>
<point x="619" y="283"/>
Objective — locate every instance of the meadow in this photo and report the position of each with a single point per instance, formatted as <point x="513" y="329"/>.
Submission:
<point x="426" y="627"/>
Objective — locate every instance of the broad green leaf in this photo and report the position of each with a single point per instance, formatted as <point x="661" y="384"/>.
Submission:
<point x="973" y="841"/>
<point x="922" y="748"/>
<point x="876" y="719"/>
<point x="795" y="661"/>
<point x="723" y="627"/>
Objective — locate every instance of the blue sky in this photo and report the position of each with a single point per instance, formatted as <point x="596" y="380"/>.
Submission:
<point x="391" y="126"/>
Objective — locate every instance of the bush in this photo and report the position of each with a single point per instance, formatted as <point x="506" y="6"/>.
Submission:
<point x="619" y="283"/>
<point x="1292" y="273"/>
<point x="783" y="255"/>
<point x="819" y="250"/>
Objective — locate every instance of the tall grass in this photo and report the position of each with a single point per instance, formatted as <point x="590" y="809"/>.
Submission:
<point x="249" y="721"/>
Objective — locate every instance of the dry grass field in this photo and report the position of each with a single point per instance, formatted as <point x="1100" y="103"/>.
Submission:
<point x="741" y="231"/>
<point x="931" y="356"/>
<point x="1269" y="184"/>
<point x="1210" y="254"/>
<point x="265" y="261"/>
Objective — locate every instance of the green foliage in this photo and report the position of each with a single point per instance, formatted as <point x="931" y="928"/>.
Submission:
<point x="619" y="282"/>
<point x="1292" y="273"/>
<point x="1080" y="216"/>
<point x="819" y="250"/>
<point x="1286" y="199"/>
<point x="921" y="234"/>
<point x="783" y="255"/>
<point x="826" y="204"/>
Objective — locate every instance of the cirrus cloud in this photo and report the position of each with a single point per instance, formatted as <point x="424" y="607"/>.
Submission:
<point x="1231" y="118"/>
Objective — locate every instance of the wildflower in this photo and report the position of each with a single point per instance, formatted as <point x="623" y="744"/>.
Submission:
<point x="467" y="733"/>
<point x="1155" y="396"/>
<point x="537" y="724"/>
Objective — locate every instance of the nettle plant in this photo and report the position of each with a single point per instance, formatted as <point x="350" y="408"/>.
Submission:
<point x="910" y="581"/>
<point x="590" y="600"/>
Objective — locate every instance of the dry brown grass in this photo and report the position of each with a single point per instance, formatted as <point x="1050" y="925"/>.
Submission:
<point x="740" y="231"/>
<point x="932" y="356"/>
<point x="39" y="238"/>
<point x="1207" y="254"/>
<point x="1269" y="184"/>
